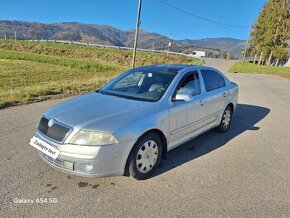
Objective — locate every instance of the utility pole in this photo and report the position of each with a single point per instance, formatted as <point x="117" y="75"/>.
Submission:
<point x="15" y="37"/>
<point x="136" y="32"/>
<point x="169" y="42"/>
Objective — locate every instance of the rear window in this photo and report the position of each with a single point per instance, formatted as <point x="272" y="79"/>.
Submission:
<point x="212" y="80"/>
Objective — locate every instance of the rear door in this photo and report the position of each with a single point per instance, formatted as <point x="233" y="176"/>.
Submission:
<point x="215" y="94"/>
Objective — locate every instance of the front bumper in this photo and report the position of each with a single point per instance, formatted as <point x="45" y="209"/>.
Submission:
<point x="89" y="161"/>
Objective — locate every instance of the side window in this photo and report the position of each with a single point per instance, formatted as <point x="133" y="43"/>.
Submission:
<point x="212" y="80"/>
<point x="190" y="84"/>
<point x="221" y="81"/>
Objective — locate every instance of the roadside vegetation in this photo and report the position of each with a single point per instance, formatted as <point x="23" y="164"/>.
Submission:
<point x="268" y="44"/>
<point x="254" y="68"/>
<point x="35" y="71"/>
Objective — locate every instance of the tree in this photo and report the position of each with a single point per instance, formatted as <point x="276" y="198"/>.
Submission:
<point x="271" y="31"/>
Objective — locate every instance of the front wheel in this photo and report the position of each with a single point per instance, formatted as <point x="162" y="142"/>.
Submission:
<point x="226" y="120"/>
<point x="145" y="156"/>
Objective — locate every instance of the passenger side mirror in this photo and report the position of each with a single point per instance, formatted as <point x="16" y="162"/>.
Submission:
<point x="183" y="97"/>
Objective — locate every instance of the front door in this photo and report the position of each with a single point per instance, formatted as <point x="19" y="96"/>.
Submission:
<point x="186" y="116"/>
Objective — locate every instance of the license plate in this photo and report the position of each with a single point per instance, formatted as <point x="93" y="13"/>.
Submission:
<point x="44" y="147"/>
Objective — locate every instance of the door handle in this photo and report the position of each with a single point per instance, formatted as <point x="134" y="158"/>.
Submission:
<point x="225" y="94"/>
<point x="202" y="102"/>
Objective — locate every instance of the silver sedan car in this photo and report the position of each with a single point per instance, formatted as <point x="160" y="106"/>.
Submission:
<point x="127" y="126"/>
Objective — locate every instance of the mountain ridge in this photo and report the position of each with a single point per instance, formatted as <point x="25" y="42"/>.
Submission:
<point x="108" y="35"/>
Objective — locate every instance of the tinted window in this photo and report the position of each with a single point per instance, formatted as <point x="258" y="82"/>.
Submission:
<point x="221" y="81"/>
<point x="212" y="80"/>
<point x="190" y="84"/>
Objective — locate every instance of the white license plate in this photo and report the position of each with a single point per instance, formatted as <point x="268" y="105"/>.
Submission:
<point x="44" y="147"/>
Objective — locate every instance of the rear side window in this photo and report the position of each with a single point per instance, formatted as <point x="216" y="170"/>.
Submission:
<point x="212" y="80"/>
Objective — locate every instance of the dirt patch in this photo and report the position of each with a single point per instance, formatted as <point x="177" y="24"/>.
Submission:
<point x="83" y="184"/>
<point x="95" y="186"/>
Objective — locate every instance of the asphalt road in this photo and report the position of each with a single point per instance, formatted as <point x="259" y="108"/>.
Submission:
<point x="220" y="64"/>
<point x="243" y="173"/>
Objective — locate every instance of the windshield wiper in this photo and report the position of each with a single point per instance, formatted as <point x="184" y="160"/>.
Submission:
<point x="109" y="93"/>
<point x="101" y="92"/>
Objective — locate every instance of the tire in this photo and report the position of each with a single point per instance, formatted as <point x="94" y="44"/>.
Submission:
<point x="145" y="156"/>
<point x="226" y="120"/>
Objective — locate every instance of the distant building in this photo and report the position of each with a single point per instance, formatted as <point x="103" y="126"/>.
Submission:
<point x="197" y="54"/>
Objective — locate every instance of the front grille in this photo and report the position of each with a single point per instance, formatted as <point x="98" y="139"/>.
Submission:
<point x="56" y="132"/>
<point x="57" y="162"/>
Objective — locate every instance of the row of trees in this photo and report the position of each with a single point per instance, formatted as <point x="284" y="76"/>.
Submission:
<point x="271" y="33"/>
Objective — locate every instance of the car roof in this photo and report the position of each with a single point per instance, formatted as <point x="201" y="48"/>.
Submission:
<point x="175" y="68"/>
<point x="165" y="67"/>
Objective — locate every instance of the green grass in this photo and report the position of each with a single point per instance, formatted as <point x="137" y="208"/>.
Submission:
<point x="26" y="81"/>
<point x="254" y="68"/>
<point x="33" y="71"/>
<point x="101" y="55"/>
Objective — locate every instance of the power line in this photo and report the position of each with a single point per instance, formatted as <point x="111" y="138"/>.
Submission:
<point x="199" y="17"/>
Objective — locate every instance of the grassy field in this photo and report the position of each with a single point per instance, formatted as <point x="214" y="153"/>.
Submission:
<point x="35" y="71"/>
<point x="254" y="68"/>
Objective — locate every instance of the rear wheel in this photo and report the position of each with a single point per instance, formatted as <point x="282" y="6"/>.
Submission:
<point x="145" y="156"/>
<point x="226" y="120"/>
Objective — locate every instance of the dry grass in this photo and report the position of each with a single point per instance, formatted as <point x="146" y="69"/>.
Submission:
<point x="31" y="71"/>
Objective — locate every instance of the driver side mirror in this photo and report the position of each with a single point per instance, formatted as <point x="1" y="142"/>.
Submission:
<point x="183" y="97"/>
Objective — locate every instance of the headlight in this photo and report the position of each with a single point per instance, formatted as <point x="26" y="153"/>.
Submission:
<point x="86" y="137"/>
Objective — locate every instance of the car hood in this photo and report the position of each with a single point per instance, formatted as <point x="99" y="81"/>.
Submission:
<point x="86" y="110"/>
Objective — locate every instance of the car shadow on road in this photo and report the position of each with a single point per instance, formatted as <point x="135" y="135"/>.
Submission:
<point x="245" y="118"/>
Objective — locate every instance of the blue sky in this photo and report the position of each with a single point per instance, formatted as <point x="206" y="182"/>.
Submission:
<point x="156" y="17"/>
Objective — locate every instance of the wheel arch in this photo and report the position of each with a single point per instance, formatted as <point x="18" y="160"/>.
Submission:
<point x="163" y="143"/>
<point x="231" y="105"/>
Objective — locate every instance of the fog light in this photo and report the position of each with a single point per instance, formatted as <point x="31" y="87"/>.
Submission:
<point x="84" y="167"/>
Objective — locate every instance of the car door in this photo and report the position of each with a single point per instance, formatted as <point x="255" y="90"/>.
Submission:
<point x="215" y="95"/>
<point x="186" y="117"/>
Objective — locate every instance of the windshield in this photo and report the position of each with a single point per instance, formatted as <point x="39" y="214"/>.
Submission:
<point x="144" y="85"/>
